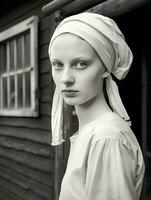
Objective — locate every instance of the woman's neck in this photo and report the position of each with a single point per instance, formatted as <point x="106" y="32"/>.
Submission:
<point x="91" y="110"/>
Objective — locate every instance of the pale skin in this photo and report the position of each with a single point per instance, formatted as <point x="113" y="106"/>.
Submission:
<point x="77" y="67"/>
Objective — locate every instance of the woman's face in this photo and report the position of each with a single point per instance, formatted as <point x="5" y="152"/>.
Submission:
<point x="76" y="68"/>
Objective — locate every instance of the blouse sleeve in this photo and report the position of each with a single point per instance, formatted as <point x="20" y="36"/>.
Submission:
<point x="110" y="171"/>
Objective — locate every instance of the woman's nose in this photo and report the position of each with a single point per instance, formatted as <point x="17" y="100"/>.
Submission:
<point x="67" y="77"/>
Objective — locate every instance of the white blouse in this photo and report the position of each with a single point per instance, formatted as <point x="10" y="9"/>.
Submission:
<point x="105" y="162"/>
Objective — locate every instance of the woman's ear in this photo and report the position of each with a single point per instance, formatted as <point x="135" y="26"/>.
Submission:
<point x="105" y="74"/>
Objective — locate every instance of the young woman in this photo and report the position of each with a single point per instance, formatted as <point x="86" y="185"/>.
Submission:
<point x="105" y="161"/>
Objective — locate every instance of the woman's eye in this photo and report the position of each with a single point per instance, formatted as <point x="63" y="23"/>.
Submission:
<point x="81" y="65"/>
<point x="57" y="65"/>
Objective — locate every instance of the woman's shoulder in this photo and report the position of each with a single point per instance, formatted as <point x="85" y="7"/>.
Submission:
<point x="111" y="122"/>
<point x="112" y="126"/>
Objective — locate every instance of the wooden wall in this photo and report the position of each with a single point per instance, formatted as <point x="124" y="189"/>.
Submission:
<point x="26" y="156"/>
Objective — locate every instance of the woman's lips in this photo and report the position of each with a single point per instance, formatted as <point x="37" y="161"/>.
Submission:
<point x="70" y="93"/>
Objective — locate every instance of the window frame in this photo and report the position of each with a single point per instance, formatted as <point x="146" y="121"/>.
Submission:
<point x="30" y="24"/>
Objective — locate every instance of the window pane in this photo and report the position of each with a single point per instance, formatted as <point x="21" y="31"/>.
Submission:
<point x="12" y="92"/>
<point x="27" y="89"/>
<point x="12" y="55"/>
<point x="2" y="58"/>
<point x="19" y="53"/>
<point x="27" y="49"/>
<point x="18" y="69"/>
<point x="4" y="92"/>
<point x="20" y="90"/>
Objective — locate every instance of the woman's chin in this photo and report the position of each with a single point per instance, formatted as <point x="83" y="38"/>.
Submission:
<point x="71" y="101"/>
<point x="79" y="101"/>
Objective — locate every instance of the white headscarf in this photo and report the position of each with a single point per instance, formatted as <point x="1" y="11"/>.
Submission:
<point x="105" y="37"/>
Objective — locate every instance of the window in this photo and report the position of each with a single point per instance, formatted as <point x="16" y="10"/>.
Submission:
<point x="18" y="69"/>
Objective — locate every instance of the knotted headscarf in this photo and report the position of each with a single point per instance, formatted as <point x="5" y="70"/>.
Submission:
<point x="104" y="36"/>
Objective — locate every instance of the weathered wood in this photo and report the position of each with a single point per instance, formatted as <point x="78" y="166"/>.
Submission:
<point x="5" y="194"/>
<point x="35" y="162"/>
<point x="25" y="183"/>
<point x="25" y="145"/>
<point x="25" y="155"/>
<point x="36" y="175"/>
<point x="73" y="5"/>
<point x="18" y="191"/>
<point x="113" y="8"/>
<point x="108" y="7"/>
<point x="45" y="80"/>
<point x="45" y="108"/>
<point x="46" y="95"/>
<point x="35" y="135"/>
<point x="41" y="123"/>
<point x="46" y="22"/>
<point x="44" y="65"/>
<point x="43" y="53"/>
<point x="79" y="6"/>
<point x="44" y="37"/>
<point x="54" y="5"/>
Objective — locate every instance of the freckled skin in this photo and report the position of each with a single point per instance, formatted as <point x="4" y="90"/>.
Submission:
<point x="70" y="50"/>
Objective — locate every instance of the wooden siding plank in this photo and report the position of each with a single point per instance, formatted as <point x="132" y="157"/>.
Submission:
<point x="44" y="37"/>
<point x="45" y="108"/>
<point x="46" y="94"/>
<point x="36" y="175"/>
<point x="42" y="123"/>
<point x="21" y="194"/>
<point x="25" y="183"/>
<point x="45" y="66"/>
<point x="6" y="195"/>
<point x="43" y="51"/>
<point x="35" y="135"/>
<point x="46" y="22"/>
<point x="45" y="80"/>
<point x="35" y="162"/>
<point x="25" y="145"/>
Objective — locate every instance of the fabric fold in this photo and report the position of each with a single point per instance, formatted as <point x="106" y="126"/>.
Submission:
<point x="57" y="118"/>
<point x="115" y="99"/>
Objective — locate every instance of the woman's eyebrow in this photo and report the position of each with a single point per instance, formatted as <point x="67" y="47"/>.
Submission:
<point x="72" y="60"/>
<point x="54" y="60"/>
<point x="81" y="58"/>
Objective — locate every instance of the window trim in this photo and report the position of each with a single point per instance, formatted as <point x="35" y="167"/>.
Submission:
<point x="30" y="24"/>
